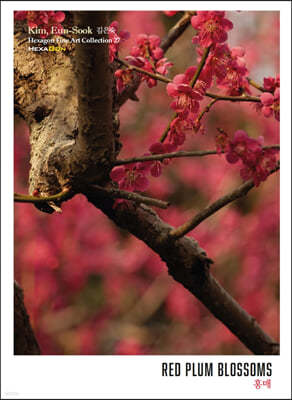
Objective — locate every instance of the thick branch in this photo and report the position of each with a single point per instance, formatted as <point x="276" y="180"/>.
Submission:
<point x="136" y="197"/>
<point x="217" y="205"/>
<point x="94" y="81"/>
<point x="189" y="265"/>
<point x="25" y="342"/>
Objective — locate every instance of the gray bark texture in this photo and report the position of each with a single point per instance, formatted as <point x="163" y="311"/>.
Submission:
<point x="69" y="101"/>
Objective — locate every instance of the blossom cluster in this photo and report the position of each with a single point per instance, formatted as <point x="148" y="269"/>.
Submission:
<point x="44" y="20"/>
<point x="225" y="64"/>
<point x="148" y="55"/>
<point x="212" y="27"/>
<point x="257" y="162"/>
<point x="116" y="38"/>
<point x="270" y="100"/>
<point x="133" y="177"/>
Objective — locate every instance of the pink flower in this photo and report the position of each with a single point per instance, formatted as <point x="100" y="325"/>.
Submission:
<point x="211" y="26"/>
<point x="271" y="104"/>
<point x="178" y="128"/>
<point x="257" y="162"/>
<point x="243" y="147"/>
<point x="148" y="55"/>
<point x="130" y="177"/>
<point x="270" y="84"/>
<point x="151" y="82"/>
<point x="170" y="13"/>
<point x="59" y="16"/>
<point x="266" y="162"/>
<point x="137" y="61"/>
<point x="124" y="78"/>
<point x="159" y="148"/>
<point x="116" y="39"/>
<point x="230" y="70"/>
<point x="20" y="15"/>
<point x="45" y="20"/>
<point x="161" y="66"/>
<point x="217" y="61"/>
<point x="147" y="47"/>
<point x="186" y="97"/>
<point x="176" y="132"/>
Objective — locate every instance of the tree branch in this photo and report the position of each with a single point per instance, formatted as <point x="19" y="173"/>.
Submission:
<point x="233" y="98"/>
<point x="136" y="197"/>
<point x="216" y="97"/>
<point x="177" y="154"/>
<point x="94" y="82"/>
<point x="64" y="195"/>
<point x="177" y="30"/>
<point x="158" y="77"/>
<point x="188" y="264"/>
<point x="217" y="205"/>
<point x="25" y="342"/>
<point x="256" y="85"/>
<point x="207" y="109"/>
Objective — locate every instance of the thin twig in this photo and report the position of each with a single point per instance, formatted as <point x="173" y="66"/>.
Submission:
<point x="256" y="85"/>
<point x="177" y="154"/>
<point x="177" y="30"/>
<point x="143" y="71"/>
<point x="22" y="198"/>
<point x="166" y="130"/>
<point x="207" y="109"/>
<point x="200" y="66"/>
<point x="217" y="205"/>
<point x="194" y="80"/>
<point x="233" y="98"/>
<point x="138" y="198"/>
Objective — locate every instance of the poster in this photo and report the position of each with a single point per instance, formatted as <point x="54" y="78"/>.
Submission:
<point x="146" y="201"/>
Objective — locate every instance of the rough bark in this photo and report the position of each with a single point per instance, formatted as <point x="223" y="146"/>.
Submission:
<point x="66" y="98"/>
<point x="25" y="342"/>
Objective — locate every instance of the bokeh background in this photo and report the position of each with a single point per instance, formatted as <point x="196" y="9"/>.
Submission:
<point x="91" y="288"/>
